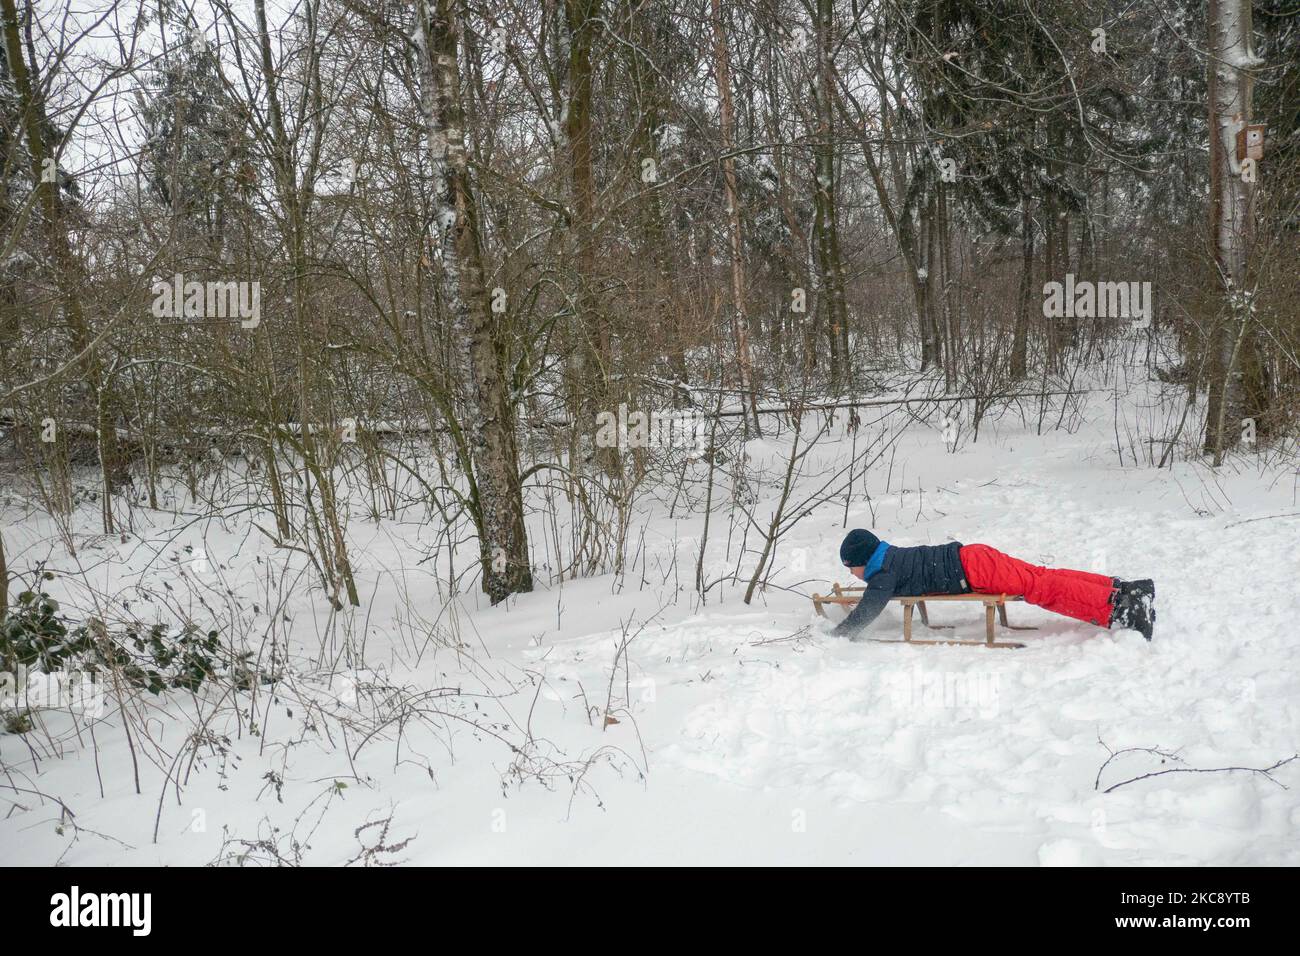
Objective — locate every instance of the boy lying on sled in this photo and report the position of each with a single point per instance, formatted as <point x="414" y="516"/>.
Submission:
<point x="956" y="568"/>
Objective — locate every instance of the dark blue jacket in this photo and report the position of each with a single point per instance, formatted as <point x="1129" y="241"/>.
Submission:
<point x="894" y="572"/>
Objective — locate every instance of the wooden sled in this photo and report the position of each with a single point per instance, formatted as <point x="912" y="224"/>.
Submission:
<point x="850" y="596"/>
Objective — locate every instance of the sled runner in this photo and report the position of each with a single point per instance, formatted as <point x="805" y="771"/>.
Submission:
<point x="849" y="597"/>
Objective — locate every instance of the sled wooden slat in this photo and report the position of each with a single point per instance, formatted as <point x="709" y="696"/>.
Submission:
<point x="850" y="596"/>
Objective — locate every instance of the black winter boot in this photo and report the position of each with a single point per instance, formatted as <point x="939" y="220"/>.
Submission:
<point x="1134" y="607"/>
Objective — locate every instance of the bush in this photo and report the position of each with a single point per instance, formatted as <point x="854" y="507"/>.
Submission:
<point x="33" y="636"/>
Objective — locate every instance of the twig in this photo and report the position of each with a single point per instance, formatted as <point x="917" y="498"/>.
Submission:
<point x="1265" y="771"/>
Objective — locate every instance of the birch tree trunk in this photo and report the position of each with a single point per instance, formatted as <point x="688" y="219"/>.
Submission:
<point x="1232" y="57"/>
<point x="496" y="495"/>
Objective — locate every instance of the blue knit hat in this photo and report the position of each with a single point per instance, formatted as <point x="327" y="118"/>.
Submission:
<point x="857" y="548"/>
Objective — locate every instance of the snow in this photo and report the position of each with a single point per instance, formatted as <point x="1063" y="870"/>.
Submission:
<point x="740" y="737"/>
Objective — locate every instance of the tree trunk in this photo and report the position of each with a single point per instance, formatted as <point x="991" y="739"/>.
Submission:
<point x="1232" y="56"/>
<point x="831" y="269"/>
<point x="495" y="491"/>
<point x="593" y="355"/>
<point x="739" y="318"/>
<point x="951" y="327"/>
<point x="1020" y="337"/>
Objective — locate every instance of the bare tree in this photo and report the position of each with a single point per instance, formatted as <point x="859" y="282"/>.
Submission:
<point x="495" y="487"/>
<point x="1230" y="79"/>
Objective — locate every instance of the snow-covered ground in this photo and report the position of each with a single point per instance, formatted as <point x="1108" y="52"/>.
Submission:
<point x="742" y="735"/>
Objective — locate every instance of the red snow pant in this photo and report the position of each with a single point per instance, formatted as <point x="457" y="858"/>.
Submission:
<point x="1078" y="594"/>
